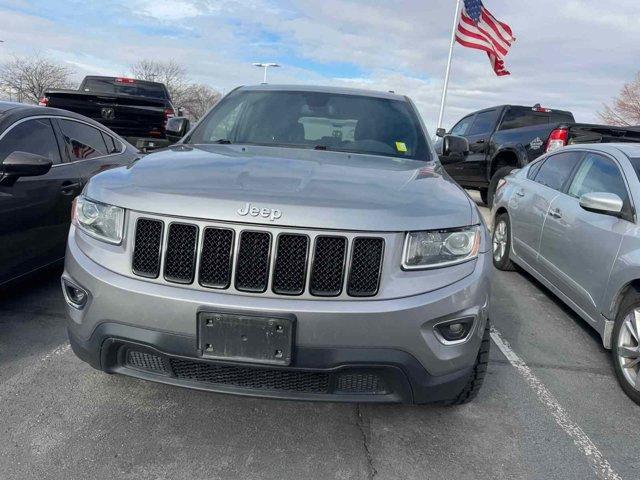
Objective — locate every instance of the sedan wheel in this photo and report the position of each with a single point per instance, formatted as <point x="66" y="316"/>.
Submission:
<point x="501" y="243"/>
<point x="628" y="348"/>
<point x="500" y="240"/>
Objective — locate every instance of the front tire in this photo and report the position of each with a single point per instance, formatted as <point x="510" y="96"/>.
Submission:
<point x="501" y="243"/>
<point x="626" y="346"/>
<point x="493" y="184"/>
<point x="472" y="388"/>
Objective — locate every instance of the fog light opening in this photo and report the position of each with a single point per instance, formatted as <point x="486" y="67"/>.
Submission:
<point x="454" y="331"/>
<point x="74" y="295"/>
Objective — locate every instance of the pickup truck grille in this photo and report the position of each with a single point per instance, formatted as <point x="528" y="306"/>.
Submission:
<point x="255" y="261"/>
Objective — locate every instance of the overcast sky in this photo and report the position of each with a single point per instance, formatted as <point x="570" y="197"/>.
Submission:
<point x="572" y="54"/>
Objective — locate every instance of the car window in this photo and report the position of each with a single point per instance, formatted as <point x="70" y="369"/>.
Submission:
<point x="533" y="169"/>
<point x="483" y="123"/>
<point x="462" y="126"/>
<point x="517" y="117"/>
<point x="125" y="86"/>
<point x="556" y="169"/>
<point x="316" y="120"/>
<point x="598" y="174"/>
<point x="82" y="140"/>
<point x="113" y="145"/>
<point x="32" y="136"/>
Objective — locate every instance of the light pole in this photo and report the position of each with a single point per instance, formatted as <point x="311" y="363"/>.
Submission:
<point x="265" y="66"/>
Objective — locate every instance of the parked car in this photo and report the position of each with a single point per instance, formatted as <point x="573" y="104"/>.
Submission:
<point x="510" y="136"/>
<point x="46" y="158"/>
<point x="299" y="242"/>
<point x="571" y="220"/>
<point x="135" y="109"/>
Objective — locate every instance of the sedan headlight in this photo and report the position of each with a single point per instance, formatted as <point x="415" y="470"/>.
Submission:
<point x="440" y="248"/>
<point x="102" y="221"/>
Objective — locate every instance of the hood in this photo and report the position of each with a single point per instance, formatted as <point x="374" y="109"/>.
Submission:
<point x="288" y="187"/>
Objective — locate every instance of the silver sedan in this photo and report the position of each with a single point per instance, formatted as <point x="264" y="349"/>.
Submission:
<point x="570" y="219"/>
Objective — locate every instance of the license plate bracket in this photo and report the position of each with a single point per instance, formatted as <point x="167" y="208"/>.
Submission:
<point x="245" y="338"/>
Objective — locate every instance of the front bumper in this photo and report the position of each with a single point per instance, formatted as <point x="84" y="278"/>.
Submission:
<point x="375" y="350"/>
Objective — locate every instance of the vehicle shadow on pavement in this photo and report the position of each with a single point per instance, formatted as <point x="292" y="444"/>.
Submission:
<point x="579" y="321"/>
<point x="32" y="315"/>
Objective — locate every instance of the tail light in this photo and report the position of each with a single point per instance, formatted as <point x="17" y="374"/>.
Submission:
<point x="124" y="80"/>
<point x="168" y="113"/>
<point x="557" y="139"/>
<point x="43" y="102"/>
<point x="538" y="108"/>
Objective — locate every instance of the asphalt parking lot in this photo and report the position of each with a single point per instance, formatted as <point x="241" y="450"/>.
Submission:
<point x="550" y="408"/>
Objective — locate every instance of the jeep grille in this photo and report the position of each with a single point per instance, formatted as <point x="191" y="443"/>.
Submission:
<point x="255" y="261"/>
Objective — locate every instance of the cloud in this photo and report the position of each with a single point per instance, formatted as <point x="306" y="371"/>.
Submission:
<point x="573" y="55"/>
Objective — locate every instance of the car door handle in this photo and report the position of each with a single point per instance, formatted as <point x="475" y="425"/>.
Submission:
<point x="520" y="193"/>
<point x="69" y="188"/>
<point x="556" y="213"/>
<point x="480" y="141"/>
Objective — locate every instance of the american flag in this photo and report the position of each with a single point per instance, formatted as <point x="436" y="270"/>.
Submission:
<point x="478" y="29"/>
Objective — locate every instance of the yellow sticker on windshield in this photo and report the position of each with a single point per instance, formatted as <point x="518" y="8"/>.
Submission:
<point x="401" y="147"/>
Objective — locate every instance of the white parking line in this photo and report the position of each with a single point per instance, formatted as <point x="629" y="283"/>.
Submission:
<point x="600" y="465"/>
<point x="28" y="373"/>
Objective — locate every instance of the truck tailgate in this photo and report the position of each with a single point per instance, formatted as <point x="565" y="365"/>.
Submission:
<point x="589" y="133"/>
<point x="125" y="114"/>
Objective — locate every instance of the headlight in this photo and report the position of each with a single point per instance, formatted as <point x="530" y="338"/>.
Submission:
<point x="440" y="248"/>
<point x="102" y="221"/>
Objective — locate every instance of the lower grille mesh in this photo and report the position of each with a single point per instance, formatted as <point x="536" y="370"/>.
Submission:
<point x="253" y="378"/>
<point x="362" y="383"/>
<point x="145" y="361"/>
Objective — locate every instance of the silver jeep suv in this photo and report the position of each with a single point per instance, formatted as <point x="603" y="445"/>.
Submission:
<point x="299" y="242"/>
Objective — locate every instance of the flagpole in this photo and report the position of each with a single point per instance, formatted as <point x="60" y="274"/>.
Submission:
<point x="446" y="76"/>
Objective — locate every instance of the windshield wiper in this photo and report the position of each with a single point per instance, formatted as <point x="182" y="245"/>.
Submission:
<point x="222" y="141"/>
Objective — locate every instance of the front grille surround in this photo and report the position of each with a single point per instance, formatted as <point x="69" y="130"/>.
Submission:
<point x="328" y="265"/>
<point x="252" y="275"/>
<point x="296" y="259"/>
<point x="180" y="252"/>
<point x="216" y="257"/>
<point x="147" y="248"/>
<point x="391" y="242"/>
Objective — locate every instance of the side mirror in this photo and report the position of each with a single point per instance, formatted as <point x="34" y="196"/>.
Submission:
<point x="441" y="132"/>
<point x="452" y="144"/>
<point x="22" y="164"/>
<point x="601" y="202"/>
<point x="177" y="127"/>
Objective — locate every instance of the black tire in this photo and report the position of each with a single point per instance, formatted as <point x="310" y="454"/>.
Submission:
<point x="504" y="262"/>
<point x="484" y="196"/>
<point x="493" y="184"/>
<point x="471" y="389"/>
<point x="629" y="303"/>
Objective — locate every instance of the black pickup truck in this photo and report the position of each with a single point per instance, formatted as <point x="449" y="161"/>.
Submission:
<point x="510" y="136"/>
<point x="135" y="109"/>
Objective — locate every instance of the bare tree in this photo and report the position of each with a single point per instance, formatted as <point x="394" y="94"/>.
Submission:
<point x="170" y="72"/>
<point x="28" y="77"/>
<point x="625" y="110"/>
<point x="198" y="99"/>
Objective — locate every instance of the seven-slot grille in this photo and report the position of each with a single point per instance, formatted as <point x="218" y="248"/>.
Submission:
<point x="318" y="265"/>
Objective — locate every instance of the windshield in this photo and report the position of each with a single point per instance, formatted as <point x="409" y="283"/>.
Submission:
<point x="324" y="121"/>
<point x="130" y="87"/>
